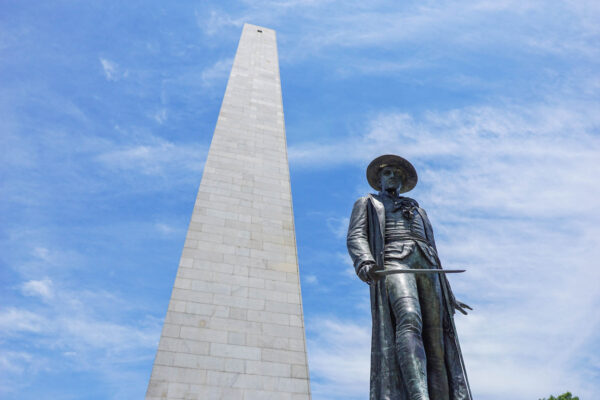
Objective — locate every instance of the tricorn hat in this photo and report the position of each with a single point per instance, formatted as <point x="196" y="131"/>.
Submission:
<point x="409" y="178"/>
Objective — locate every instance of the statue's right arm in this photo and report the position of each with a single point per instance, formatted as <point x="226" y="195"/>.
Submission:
<point x="358" y="237"/>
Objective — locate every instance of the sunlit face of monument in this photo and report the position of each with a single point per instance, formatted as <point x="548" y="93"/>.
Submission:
<point x="234" y="327"/>
<point x="391" y="179"/>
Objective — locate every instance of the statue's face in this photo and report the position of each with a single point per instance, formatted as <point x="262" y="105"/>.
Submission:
<point x="391" y="178"/>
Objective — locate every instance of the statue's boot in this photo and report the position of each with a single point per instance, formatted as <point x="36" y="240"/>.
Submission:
<point x="437" y="375"/>
<point x="433" y="337"/>
<point x="414" y="376"/>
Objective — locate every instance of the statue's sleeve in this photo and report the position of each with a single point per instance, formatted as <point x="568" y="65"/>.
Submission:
<point x="357" y="239"/>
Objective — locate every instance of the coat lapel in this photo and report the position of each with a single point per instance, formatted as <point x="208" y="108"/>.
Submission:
<point x="380" y="211"/>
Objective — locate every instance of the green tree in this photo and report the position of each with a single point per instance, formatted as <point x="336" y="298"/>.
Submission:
<point x="564" y="396"/>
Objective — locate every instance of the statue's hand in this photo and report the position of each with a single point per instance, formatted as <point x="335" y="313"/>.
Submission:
<point x="365" y="273"/>
<point x="460" y="306"/>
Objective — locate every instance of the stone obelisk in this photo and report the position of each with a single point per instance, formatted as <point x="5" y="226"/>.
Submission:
<point x="234" y="327"/>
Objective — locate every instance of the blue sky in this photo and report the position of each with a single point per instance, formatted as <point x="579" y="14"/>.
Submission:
<point x="107" y="111"/>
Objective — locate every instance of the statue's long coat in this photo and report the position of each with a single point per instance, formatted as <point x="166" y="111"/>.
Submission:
<point x="366" y="243"/>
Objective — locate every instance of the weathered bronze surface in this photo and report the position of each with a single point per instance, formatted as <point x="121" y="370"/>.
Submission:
<point x="415" y="354"/>
<point x="385" y="272"/>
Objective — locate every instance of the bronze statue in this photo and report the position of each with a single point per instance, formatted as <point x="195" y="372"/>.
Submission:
<point x="415" y="354"/>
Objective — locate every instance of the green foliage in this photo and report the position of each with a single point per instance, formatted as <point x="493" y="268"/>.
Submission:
<point x="564" y="396"/>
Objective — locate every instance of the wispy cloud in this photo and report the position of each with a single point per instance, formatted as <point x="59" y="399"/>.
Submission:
<point x="109" y="68"/>
<point x="160" y="116"/>
<point x="155" y="156"/>
<point x="42" y="253"/>
<point x="13" y="361"/>
<point x="165" y="229"/>
<point x="71" y="332"/>
<point x="112" y="71"/>
<point x="339" y="358"/>
<point x="41" y="288"/>
<point x="216" y="72"/>
<point x="213" y="21"/>
<point x="17" y="320"/>
<point x="504" y="149"/>
<point x="441" y="28"/>
<point x="40" y="261"/>
<point x="338" y="226"/>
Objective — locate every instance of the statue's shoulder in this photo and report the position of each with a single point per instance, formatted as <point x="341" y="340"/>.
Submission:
<point x="420" y="209"/>
<point x="411" y="201"/>
<point x="364" y="199"/>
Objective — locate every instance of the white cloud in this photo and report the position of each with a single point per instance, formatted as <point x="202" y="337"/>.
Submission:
<point x="441" y="29"/>
<point x="14" y="361"/>
<point x="155" y="157"/>
<point x="42" y="253"/>
<point x="513" y="157"/>
<point x="216" y="72"/>
<point x="15" y="320"/>
<point x="41" y="288"/>
<point x="85" y="334"/>
<point x="215" y="21"/>
<point x="160" y="116"/>
<point x="345" y="260"/>
<point x="287" y="4"/>
<point x="111" y="69"/>
<point x="76" y="329"/>
<point x="165" y="229"/>
<point x="339" y="357"/>
<point x="338" y="226"/>
<point x="42" y="261"/>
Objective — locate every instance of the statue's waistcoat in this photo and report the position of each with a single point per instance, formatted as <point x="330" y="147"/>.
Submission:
<point x="402" y="221"/>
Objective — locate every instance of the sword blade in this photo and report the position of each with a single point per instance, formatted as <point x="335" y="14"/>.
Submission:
<point x="418" y="271"/>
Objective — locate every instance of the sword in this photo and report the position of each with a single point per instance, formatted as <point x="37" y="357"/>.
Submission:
<point x="418" y="271"/>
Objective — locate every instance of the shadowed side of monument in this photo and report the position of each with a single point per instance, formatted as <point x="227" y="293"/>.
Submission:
<point x="234" y="327"/>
